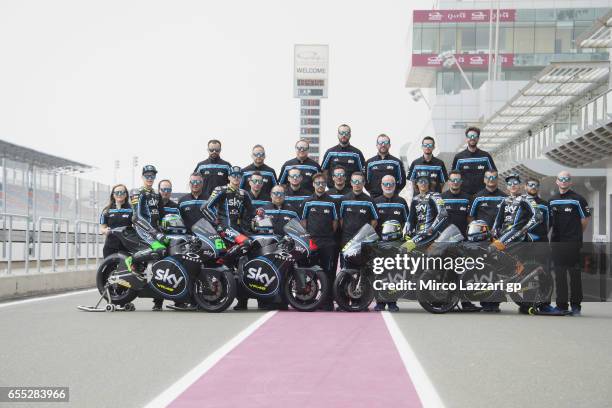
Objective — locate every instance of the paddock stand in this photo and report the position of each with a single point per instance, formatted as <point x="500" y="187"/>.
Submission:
<point x="128" y="307"/>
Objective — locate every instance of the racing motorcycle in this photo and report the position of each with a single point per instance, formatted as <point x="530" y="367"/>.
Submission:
<point x="268" y="269"/>
<point x="189" y="273"/>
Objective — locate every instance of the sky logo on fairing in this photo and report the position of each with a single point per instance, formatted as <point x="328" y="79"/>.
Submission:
<point x="168" y="278"/>
<point x="257" y="275"/>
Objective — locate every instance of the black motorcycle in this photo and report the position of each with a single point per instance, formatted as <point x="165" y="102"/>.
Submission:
<point x="268" y="270"/>
<point x="189" y="273"/>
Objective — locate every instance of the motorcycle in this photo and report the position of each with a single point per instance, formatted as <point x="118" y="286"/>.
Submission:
<point x="268" y="269"/>
<point x="190" y="272"/>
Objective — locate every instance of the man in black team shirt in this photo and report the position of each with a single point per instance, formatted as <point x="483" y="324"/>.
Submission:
<point x="570" y="217"/>
<point x="267" y="173"/>
<point x="429" y="164"/>
<point x="343" y="154"/>
<point x="340" y="187"/>
<point x="190" y="204"/>
<point x="259" y="198"/>
<point x="381" y="165"/>
<point x="487" y="201"/>
<point x="302" y="162"/>
<point x="295" y="194"/>
<point x="473" y="162"/>
<point x="214" y="170"/>
<point x="356" y="209"/>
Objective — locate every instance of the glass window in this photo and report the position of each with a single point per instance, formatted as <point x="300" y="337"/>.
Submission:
<point x="430" y="39"/>
<point x="525" y="15"/>
<point x="459" y="82"/>
<point x="448" y="37"/>
<point x="506" y="38"/>
<point x="466" y="38"/>
<point x="478" y="78"/>
<point x="448" y="79"/>
<point x="439" y="88"/>
<point x="544" y="39"/>
<point x="563" y="37"/>
<point x="545" y="15"/>
<point x="417" y="34"/>
<point x="523" y="38"/>
<point x="482" y="37"/>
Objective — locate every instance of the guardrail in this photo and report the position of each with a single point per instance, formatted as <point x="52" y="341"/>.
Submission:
<point x="77" y="243"/>
<point x="9" y="240"/>
<point x="56" y="222"/>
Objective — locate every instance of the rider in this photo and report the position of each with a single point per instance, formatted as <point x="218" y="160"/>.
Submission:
<point x="147" y="212"/>
<point x="427" y="214"/>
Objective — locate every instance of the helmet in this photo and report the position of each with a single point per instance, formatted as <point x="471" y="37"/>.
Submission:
<point x="391" y="230"/>
<point x="478" y="230"/>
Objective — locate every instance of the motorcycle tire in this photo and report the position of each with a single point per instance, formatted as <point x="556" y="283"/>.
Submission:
<point x="350" y="295"/>
<point x="224" y="292"/>
<point x="119" y="295"/>
<point x="307" y="301"/>
<point x="437" y="301"/>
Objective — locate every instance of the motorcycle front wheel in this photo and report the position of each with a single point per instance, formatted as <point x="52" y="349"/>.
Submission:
<point x="311" y="297"/>
<point x="353" y="292"/>
<point x="437" y="299"/>
<point x="214" y="294"/>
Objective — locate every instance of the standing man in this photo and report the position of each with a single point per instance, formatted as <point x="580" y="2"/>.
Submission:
<point x="214" y="170"/>
<point x="257" y="183"/>
<point x="320" y="218"/>
<point x="570" y="218"/>
<point x="473" y="162"/>
<point x="384" y="164"/>
<point x="302" y="162"/>
<point x="487" y="201"/>
<point x="267" y="173"/>
<point x="390" y="207"/>
<point x="343" y="154"/>
<point x="430" y="164"/>
<point x="295" y="194"/>
<point x="280" y="212"/>
<point x="356" y="209"/>
<point x="190" y="204"/>
<point x="340" y="188"/>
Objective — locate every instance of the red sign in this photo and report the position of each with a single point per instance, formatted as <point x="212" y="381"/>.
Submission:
<point x="466" y="61"/>
<point x="461" y="16"/>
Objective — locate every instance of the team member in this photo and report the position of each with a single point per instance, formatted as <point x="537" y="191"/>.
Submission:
<point x="390" y="206"/>
<point x="516" y="215"/>
<point x="570" y="218"/>
<point x="320" y="218"/>
<point x="145" y="218"/>
<point x="343" y="154"/>
<point x="118" y="213"/>
<point x="295" y="194"/>
<point x="259" y="198"/>
<point x="381" y="165"/>
<point x="457" y="205"/>
<point x="340" y="187"/>
<point x="190" y="204"/>
<point x="233" y="209"/>
<point x="302" y="162"/>
<point x="487" y="201"/>
<point x="427" y="214"/>
<point x="214" y="170"/>
<point x="430" y="164"/>
<point x="473" y="162"/>
<point x="266" y="172"/>
<point x="168" y="206"/>
<point x="356" y="209"/>
<point x="280" y="212"/>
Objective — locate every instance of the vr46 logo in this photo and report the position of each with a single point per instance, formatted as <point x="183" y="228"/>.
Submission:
<point x="257" y="275"/>
<point x="167" y="277"/>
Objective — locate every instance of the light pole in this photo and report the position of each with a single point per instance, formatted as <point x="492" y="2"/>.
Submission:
<point x="134" y="165"/>
<point x="116" y="168"/>
<point x="417" y="95"/>
<point x="448" y="60"/>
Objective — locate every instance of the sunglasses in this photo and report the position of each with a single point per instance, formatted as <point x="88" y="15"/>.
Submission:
<point x="166" y="190"/>
<point x="491" y="178"/>
<point x="295" y="176"/>
<point x="455" y="180"/>
<point x="428" y="145"/>
<point x="301" y="149"/>
<point x="356" y="182"/>
<point x="259" y="154"/>
<point x="339" y="174"/>
<point x="423" y="181"/>
<point x="472" y="136"/>
<point x="236" y="175"/>
<point x="532" y="184"/>
<point x="513" y="183"/>
<point x="120" y="193"/>
<point x="257" y="181"/>
<point x="214" y="150"/>
<point x="149" y="176"/>
<point x="344" y="133"/>
<point x="195" y="182"/>
<point x="319" y="183"/>
<point x="384" y="143"/>
<point x="388" y="184"/>
<point x="564" y="179"/>
<point x="278" y="193"/>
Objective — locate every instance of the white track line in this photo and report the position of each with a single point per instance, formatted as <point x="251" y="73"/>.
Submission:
<point x="423" y="385"/>
<point x="176" y="389"/>
<point x="40" y="299"/>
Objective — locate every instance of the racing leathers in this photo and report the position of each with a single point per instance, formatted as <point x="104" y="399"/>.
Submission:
<point x="515" y="217"/>
<point x="233" y="208"/>
<point x="427" y="217"/>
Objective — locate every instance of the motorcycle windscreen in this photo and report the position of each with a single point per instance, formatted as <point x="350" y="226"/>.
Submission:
<point x="295" y="230"/>
<point x="169" y="278"/>
<point x="261" y="277"/>
<point x="209" y="237"/>
<point x="450" y="234"/>
<point x="366" y="234"/>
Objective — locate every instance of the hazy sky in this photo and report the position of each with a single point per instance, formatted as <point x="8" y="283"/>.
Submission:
<point x="103" y="81"/>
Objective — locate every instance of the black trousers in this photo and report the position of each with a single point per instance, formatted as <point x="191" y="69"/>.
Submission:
<point x="566" y="259"/>
<point x="327" y="259"/>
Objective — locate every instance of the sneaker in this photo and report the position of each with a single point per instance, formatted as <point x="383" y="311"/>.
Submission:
<point x="393" y="307"/>
<point x="468" y="307"/>
<point x="548" y="310"/>
<point x="491" y="309"/>
<point x="380" y="307"/>
<point x="576" y="310"/>
<point x="157" y="307"/>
